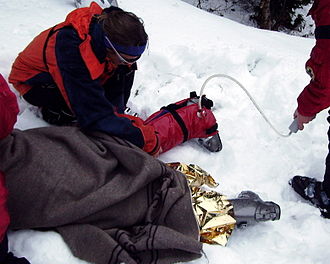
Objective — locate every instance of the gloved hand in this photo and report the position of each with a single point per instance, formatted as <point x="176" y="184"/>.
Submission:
<point x="151" y="142"/>
<point x="181" y="121"/>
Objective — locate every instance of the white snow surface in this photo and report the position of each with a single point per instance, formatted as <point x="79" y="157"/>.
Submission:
<point x="187" y="45"/>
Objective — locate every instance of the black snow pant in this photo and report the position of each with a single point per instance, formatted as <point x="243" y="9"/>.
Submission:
<point x="326" y="181"/>
<point x="53" y="106"/>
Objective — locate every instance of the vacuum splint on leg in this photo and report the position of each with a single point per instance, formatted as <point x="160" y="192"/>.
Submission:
<point x="184" y="120"/>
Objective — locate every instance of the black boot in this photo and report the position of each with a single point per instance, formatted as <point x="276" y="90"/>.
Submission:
<point x="312" y="190"/>
<point x="250" y="209"/>
<point x="58" y="117"/>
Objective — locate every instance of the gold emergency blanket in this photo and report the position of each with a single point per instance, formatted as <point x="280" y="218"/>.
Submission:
<point x="213" y="211"/>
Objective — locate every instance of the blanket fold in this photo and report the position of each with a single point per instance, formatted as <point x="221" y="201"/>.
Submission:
<point x="110" y="201"/>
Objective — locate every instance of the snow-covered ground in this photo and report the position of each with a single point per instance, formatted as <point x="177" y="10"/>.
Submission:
<point x="187" y="45"/>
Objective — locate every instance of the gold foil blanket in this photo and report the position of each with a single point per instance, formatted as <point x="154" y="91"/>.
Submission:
<point x="213" y="211"/>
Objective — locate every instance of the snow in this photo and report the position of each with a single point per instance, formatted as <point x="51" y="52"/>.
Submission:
<point x="239" y="12"/>
<point x="187" y="45"/>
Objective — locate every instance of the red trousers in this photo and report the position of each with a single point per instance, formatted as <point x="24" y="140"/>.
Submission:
<point x="8" y="117"/>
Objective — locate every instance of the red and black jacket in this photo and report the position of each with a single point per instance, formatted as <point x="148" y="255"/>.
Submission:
<point x="316" y="95"/>
<point x="73" y="56"/>
<point x="8" y="117"/>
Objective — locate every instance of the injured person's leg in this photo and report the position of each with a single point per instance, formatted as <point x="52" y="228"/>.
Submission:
<point x="217" y="215"/>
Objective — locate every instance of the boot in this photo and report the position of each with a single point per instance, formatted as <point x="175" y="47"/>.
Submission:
<point x="250" y="209"/>
<point x="312" y="190"/>
<point x="212" y="143"/>
<point x="58" y="117"/>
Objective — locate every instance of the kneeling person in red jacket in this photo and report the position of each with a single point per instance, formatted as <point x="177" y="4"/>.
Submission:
<point x="8" y="117"/>
<point x="82" y="70"/>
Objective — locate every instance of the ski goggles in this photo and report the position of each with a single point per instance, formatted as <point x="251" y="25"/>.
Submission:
<point x="133" y="51"/>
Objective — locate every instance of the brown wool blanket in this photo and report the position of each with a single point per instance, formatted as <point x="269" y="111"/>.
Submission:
<point x="110" y="201"/>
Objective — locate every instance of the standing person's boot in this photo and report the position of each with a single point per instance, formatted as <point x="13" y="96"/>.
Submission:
<point x="312" y="190"/>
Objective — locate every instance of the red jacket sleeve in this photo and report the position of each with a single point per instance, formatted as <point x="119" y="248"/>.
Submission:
<point x="4" y="216"/>
<point x="320" y="12"/>
<point x="8" y="109"/>
<point x="8" y="115"/>
<point x="316" y="95"/>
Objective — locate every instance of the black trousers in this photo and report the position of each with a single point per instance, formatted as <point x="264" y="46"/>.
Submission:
<point x="326" y="181"/>
<point x="3" y="249"/>
<point x="8" y="257"/>
<point x="53" y="107"/>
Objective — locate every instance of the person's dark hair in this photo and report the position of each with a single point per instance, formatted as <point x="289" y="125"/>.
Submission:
<point x="123" y="28"/>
